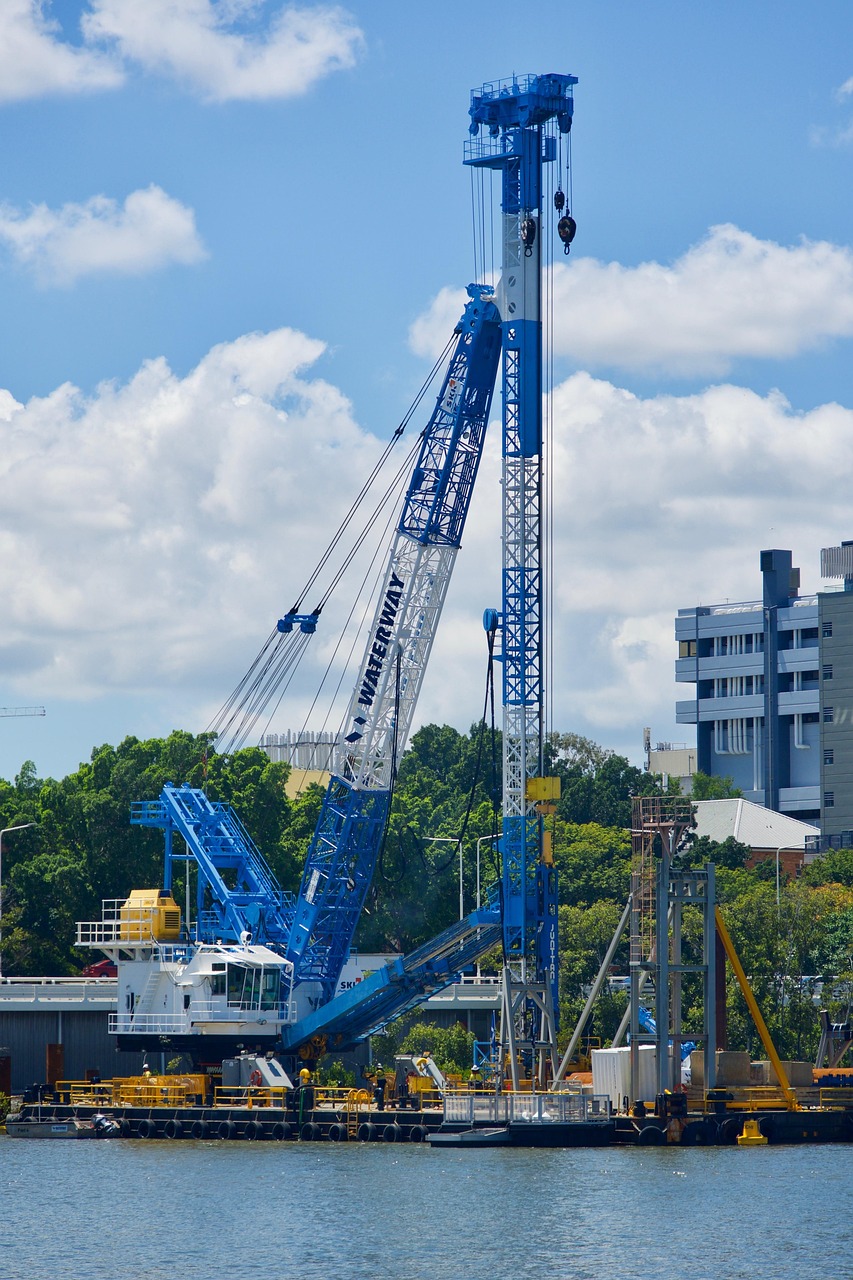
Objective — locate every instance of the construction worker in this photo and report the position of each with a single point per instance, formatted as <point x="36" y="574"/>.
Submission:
<point x="305" y="1092"/>
<point x="475" y="1080"/>
<point x="379" y="1088"/>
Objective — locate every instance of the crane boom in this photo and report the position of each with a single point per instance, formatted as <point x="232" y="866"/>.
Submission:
<point x="351" y="825"/>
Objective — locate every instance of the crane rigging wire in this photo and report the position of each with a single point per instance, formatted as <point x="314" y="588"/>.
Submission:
<point x="374" y="569"/>
<point x="279" y="657"/>
<point x="283" y="652"/>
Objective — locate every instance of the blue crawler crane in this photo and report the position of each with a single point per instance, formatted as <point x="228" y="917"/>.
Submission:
<point x="515" y="128"/>
<point x="238" y="899"/>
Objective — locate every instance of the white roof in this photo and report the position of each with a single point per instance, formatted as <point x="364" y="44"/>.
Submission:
<point x="751" y="824"/>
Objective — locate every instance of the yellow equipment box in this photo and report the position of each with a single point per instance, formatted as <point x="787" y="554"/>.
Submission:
<point x="150" y="914"/>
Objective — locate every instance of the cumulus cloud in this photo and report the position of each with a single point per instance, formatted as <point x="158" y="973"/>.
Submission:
<point x="220" y="51"/>
<point x="845" y="90"/>
<point x="36" y="60"/>
<point x="148" y="231"/>
<point x="729" y="297"/>
<point x="151" y="531"/>
<point x="700" y="484"/>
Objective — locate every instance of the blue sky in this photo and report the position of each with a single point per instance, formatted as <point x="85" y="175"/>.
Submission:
<point x="219" y="223"/>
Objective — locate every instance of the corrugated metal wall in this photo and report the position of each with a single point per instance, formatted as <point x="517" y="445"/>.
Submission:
<point x="87" y="1046"/>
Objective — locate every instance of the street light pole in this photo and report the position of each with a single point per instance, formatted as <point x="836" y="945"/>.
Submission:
<point x="22" y="827"/>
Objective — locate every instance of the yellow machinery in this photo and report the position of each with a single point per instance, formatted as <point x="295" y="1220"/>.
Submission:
<point x="752" y="1005"/>
<point x="150" y="914"/>
<point x="161" y="1091"/>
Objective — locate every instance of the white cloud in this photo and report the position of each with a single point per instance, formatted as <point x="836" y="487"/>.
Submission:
<point x="150" y="230"/>
<point x="219" y="50"/>
<point x="845" y="90"/>
<point x="153" y="531"/>
<point x="35" y="60"/>
<point x="700" y="485"/>
<point x="731" y="296"/>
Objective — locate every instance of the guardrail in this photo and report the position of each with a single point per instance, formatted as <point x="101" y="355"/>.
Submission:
<point x="134" y="1091"/>
<point x="160" y="1024"/>
<point x="249" y="1096"/>
<point x="529" y="1108"/>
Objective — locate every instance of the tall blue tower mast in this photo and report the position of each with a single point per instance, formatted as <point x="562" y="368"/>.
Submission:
<point x="514" y="127"/>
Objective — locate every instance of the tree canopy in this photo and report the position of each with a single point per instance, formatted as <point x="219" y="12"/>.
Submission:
<point x="444" y="820"/>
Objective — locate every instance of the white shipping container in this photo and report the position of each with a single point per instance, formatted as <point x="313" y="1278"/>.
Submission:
<point x="611" y="1074"/>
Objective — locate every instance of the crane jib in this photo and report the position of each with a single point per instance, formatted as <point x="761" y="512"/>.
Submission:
<point x="381" y="641"/>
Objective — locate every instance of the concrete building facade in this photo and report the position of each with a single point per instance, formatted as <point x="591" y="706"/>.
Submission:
<point x="773" y="691"/>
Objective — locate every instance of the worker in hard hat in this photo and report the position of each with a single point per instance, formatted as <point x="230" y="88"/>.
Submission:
<point x="305" y="1093"/>
<point x="379" y="1088"/>
<point x="475" y="1080"/>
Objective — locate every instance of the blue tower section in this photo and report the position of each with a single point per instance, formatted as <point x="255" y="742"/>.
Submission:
<point x="237" y="893"/>
<point x="342" y="856"/>
<point x="508" y="134"/>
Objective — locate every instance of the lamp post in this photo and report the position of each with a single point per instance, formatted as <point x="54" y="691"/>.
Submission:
<point x="452" y="840"/>
<point x="21" y="827"/>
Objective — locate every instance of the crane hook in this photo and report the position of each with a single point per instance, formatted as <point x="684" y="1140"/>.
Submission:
<point x="528" y="236"/>
<point x="566" y="230"/>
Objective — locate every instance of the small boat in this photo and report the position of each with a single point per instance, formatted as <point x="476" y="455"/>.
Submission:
<point x="34" y="1126"/>
<point x="751" y="1136"/>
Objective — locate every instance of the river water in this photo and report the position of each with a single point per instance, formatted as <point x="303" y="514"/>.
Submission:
<point x="151" y="1210"/>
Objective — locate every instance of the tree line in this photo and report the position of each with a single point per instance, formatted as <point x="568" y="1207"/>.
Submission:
<point x="446" y="799"/>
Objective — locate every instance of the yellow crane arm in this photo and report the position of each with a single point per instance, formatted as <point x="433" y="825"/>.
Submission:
<point x="752" y="1005"/>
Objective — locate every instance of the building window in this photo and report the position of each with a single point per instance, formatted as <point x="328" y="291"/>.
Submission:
<point x="828" y="799"/>
<point x="828" y="715"/>
<point x="687" y="648"/>
<point x="827" y="671"/>
<point x="827" y="628"/>
<point x="829" y="755"/>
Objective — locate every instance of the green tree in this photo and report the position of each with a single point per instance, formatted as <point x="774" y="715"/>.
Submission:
<point x="706" y="787"/>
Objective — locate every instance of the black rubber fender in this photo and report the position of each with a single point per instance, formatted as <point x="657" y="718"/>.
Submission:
<point x="338" y="1133"/>
<point x="147" y="1129"/>
<point x="392" y="1133"/>
<point x="282" y="1131"/>
<point x="417" y="1133"/>
<point x="310" y="1132"/>
<point x="699" y="1133"/>
<point x="227" y="1129"/>
<point x="769" y="1127"/>
<point x="173" y="1129"/>
<point x="727" y="1134"/>
<point x="199" y="1129"/>
<point x="651" y="1136"/>
<point x="124" y="1128"/>
<point x="254" y="1131"/>
<point x="367" y="1132"/>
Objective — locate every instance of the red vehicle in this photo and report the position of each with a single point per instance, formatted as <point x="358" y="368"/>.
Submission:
<point x="103" y="969"/>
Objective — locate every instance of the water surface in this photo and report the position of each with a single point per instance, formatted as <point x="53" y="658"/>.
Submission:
<point x="142" y="1210"/>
